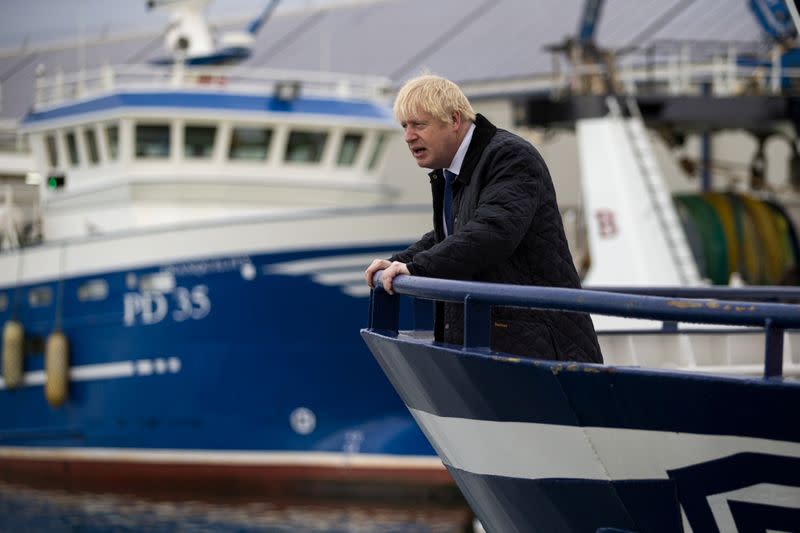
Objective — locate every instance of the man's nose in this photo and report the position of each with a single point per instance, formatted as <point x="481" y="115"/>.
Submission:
<point x="409" y="134"/>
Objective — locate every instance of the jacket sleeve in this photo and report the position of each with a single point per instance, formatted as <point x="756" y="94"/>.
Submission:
<point x="425" y="242"/>
<point x="506" y="206"/>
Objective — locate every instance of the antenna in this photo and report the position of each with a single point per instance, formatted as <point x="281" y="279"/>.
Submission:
<point x="189" y="37"/>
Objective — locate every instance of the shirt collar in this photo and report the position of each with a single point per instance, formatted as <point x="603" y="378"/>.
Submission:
<point x="458" y="159"/>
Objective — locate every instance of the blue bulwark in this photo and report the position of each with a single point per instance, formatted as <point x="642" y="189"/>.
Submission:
<point x="217" y="101"/>
<point x="571" y="394"/>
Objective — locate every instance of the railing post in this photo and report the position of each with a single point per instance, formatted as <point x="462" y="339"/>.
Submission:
<point x="107" y="77"/>
<point x="775" y="72"/>
<point x="384" y="310"/>
<point x="59" y="87"/>
<point x="773" y="350"/>
<point x="477" y="323"/>
<point x="670" y="326"/>
<point x="732" y="69"/>
<point x="423" y="314"/>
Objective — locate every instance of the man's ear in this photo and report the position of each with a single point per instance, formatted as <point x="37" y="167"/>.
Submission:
<point x="456" y="117"/>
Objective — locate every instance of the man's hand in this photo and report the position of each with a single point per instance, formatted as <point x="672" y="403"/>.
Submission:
<point x="394" y="269"/>
<point x="390" y="270"/>
<point x="377" y="264"/>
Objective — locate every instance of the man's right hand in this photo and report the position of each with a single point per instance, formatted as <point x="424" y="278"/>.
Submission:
<point x="376" y="265"/>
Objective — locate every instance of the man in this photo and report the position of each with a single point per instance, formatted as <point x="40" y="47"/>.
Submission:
<point x="502" y="225"/>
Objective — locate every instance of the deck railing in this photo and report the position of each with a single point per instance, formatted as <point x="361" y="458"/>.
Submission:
<point x="666" y="68"/>
<point x="478" y="299"/>
<point x="60" y="88"/>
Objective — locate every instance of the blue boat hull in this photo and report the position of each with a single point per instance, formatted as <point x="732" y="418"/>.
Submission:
<point x="237" y="372"/>
<point x="555" y="447"/>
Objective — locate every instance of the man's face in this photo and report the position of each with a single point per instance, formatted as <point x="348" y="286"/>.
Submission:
<point x="433" y="143"/>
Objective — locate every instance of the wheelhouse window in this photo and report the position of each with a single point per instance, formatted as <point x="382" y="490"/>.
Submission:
<point x="72" y="148"/>
<point x="377" y="151"/>
<point x="152" y="141"/>
<point x="112" y="141"/>
<point x="52" y="150"/>
<point x="250" y="144"/>
<point x="90" y="140"/>
<point x="306" y="146"/>
<point x="348" y="152"/>
<point x="198" y="141"/>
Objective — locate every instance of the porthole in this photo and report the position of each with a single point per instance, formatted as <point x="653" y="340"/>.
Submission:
<point x="40" y="296"/>
<point x="93" y="290"/>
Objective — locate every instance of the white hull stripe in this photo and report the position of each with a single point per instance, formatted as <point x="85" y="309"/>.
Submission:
<point x="542" y="451"/>
<point x="121" y="369"/>
<point x="210" y="457"/>
<point x="156" y="247"/>
<point x="345" y="271"/>
<point x="762" y="494"/>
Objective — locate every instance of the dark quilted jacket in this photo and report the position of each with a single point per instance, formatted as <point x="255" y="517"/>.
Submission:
<point x="506" y="229"/>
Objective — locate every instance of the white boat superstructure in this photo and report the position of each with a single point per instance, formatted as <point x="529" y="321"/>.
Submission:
<point x="133" y="150"/>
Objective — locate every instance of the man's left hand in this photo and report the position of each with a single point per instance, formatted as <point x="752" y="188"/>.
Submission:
<point x="395" y="269"/>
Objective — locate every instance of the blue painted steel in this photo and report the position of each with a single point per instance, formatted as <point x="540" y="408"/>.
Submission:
<point x="697" y="482"/>
<point x="478" y="315"/>
<point x="217" y="102"/>
<point x="256" y="24"/>
<point x="776" y="316"/>
<point x="384" y="311"/>
<point x="455" y="382"/>
<point x="590" y="395"/>
<point x="765" y="293"/>
<point x="602" y="302"/>
<point x="603" y="504"/>
<point x="423" y="314"/>
<point x="268" y="345"/>
<point x="589" y="20"/>
<point x="774" y="18"/>
<point x="705" y="150"/>
<point x="773" y="350"/>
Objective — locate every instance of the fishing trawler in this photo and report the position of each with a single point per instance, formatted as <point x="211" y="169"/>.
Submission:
<point x="183" y="313"/>
<point x="689" y="424"/>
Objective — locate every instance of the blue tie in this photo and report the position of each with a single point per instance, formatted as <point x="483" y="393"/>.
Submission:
<point x="449" y="177"/>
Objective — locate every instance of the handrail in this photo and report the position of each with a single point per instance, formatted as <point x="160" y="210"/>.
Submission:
<point x="66" y="87"/>
<point x="763" y="293"/>
<point x="478" y="298"/>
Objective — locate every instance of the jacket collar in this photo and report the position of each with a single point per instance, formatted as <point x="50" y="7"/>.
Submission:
<point x="484" y="131"/>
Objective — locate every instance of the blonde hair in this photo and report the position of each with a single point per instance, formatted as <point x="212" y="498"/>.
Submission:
<point x="432" y="94"/>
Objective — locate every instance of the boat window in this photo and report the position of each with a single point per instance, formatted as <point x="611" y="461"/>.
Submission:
<point x="91" y="145"/>
<point x="40" y="296"/>
<point x="3" y="301"/>
<point x="198" y="141"/>
<point x="152" y="141"/>
<point x="112" y="140"/>
<point x="377" y="151"/>
<point x="157" y="282"/>
<point x="52" y="151"/>
<point x="93" y="290"/>
<point x="306" y="146"/>
<point x="250" y="143"/>
<point x="348" y="152"/>
<point x="72" y="148"/>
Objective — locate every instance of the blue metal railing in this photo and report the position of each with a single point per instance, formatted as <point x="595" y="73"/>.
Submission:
<point x="764" y="293"/>
<point x="478" y="299"/>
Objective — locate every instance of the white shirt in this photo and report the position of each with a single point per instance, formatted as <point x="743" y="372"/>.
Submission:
<point x="458" y="160"/>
